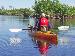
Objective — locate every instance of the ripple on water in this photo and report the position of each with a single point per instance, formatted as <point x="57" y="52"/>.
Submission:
<point x="9" y="46"/>
<point x="15" y="40"/>
<point x="4" y="44"/>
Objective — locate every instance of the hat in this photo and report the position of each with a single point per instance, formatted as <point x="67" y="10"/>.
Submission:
<point x="43" y="14"/>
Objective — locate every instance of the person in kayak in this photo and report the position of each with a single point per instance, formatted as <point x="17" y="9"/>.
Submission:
<point x="42" y="23"/>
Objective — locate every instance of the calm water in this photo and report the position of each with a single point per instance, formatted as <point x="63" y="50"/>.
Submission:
<point x="21" y="44"/>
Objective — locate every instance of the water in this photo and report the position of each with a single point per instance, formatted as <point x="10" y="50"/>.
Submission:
<point x="21" y="44"/>
<point x="15" y="44"/>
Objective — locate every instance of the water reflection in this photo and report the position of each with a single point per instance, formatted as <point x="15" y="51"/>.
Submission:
<point x="15" y="41"/>
<point x="63" y="41"/>
<point x="44" y="43"/>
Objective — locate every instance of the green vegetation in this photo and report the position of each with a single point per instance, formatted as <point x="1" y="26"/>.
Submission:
<point x="17" y="12"/>
<point x="53" y="7"/>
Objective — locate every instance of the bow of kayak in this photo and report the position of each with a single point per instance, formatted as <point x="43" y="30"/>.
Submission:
<point x="44" y="35"/>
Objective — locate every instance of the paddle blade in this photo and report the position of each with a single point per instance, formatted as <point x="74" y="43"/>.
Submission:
<point x="15" y="30"/>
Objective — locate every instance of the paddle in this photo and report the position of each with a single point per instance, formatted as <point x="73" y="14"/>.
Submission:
<point x="29" y="28"/>
<point x="18" y="30"/>
<point x="26" y="29"/>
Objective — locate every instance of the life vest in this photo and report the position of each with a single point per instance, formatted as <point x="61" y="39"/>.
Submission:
<point x="43" y="21"/>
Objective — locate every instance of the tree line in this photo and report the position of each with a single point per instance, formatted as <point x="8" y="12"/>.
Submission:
<point x="17" y="12"/>
<point x="53" y="8"/>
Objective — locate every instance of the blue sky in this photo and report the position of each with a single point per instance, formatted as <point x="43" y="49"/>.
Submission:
<point x="17" y="3"/>
<point x="27" y="3"/>
<point x="68" y="2"/>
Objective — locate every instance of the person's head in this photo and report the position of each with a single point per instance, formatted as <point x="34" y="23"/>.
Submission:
<point x="43" y="14"/>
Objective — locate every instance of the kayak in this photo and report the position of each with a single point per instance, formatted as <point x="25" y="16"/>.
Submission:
<point x="39" y="35"/>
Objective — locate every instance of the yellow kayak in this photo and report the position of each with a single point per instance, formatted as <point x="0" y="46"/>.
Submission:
<point x="47" y="34"/>
<point x="44" y="35"/>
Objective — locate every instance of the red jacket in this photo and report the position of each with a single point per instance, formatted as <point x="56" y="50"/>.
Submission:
<point x="43" y="21"/>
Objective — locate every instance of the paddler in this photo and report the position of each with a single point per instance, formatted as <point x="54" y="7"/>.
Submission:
<point x="42" y="21"/>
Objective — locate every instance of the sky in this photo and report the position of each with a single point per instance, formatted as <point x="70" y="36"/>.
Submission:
<point x="16" y="3"/>
<point x="68" y="2"/>
<point x="28" y="3"/>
